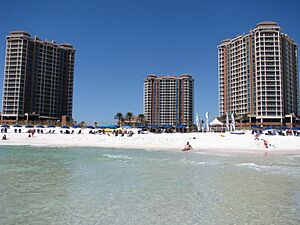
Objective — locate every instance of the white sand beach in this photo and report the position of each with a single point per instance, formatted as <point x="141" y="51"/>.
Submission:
<point x="205" y="142"/>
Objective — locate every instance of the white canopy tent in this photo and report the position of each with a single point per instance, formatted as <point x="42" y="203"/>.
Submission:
<point x="216" y="122"/>
<point x="216" y="125"/>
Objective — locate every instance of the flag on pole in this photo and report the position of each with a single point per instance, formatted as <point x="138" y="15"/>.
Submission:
<point x="227" y="122"/>
<point x="198" y="122"/>
<point x="207" y="124"/>
<point x="232" y="122"/>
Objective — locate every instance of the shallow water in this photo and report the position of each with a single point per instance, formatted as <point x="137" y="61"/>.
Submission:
<point x="112" y="186"/>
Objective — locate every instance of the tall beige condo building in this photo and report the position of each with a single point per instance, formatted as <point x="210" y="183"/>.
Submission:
<point x="258" y="76"/>
<point x="38" y="78"/>
<point x="169" y="100"/>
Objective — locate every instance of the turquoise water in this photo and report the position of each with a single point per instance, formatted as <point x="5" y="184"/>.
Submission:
<point x="113" y="186"/>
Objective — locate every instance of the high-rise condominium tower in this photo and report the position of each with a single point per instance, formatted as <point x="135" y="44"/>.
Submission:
<point x="169" y="100"/>
<point x="258" y="75"/>
<point x="38" y="78"/>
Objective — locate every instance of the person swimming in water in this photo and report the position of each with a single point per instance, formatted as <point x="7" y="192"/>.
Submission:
<point x="187" y="147"/>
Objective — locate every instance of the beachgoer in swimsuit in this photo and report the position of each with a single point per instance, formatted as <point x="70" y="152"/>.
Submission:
<point x="266" y="144"/>
<point x="187" y="147"/>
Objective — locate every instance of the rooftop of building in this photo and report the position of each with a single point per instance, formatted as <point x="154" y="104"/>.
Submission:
<point x="264" y="25"/>
<point x="267" y="24"/>
<point x="19" y="33"/>
<point x="22" y="34"/>
<point x="153" y="76"/>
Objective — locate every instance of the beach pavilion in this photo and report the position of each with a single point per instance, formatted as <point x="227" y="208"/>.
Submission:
<point x="216" y="125"/>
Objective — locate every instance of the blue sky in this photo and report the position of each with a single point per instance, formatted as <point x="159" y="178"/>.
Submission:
<point x="119" y="42"/>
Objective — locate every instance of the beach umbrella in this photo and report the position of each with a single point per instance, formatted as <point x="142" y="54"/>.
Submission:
<point x="141" y="126"/>
<point x="17" y="125"/>
<point x="167" y="126"/>
<point x="152" y="126"/>
<point x="29" y="126"/>
<point x="40" y="126"/>
<point x="269" y="128"/>
<point x="65" y="127"/>
<point x="127" y="127"/>
<point x="5" y="126"/>
<point x="283" y="128"/>
<point x="295" y="128"/>
<point x="50" y="126"/>
<point x="75" y="126"/>
<point x="112" y="126"/>
<point x="108" y="126"/>
<point x="255" y="127"/>
<point x="180" y="126"/>
<point x="90" y="127"/>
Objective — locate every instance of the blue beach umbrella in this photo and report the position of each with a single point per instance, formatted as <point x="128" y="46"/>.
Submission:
<point x="75" y="126"/>
<point x="5" y="126"/>
<point x="111" y="126"/>
<point x="180" y="126"/>
<point x="29" y="126"/>
<point x="295" y="128"/>
<point x="17" y="125"/>
<point x="50" y="126"/>
<point x="269" y="128"/>
<point x="152" y="126"/>
<point x="167" y="126"/>
<point x="127" y="127"/>
<point x="40" y="126"/>
<point x="90" y="127"/>
<point x="65" y="127"/>
<point x="283" y="128"/>
<point x="255" y="127"/>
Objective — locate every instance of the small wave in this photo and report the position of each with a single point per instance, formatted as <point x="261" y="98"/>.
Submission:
<point x="253" y="166"/>
<point x="186" y="161"/>
<point x="213" y="154"/>
<point x="117" y="157"/>
<point x="273" y="168"/>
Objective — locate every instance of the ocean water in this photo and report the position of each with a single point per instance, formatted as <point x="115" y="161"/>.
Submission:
<point x="113" y="186"/>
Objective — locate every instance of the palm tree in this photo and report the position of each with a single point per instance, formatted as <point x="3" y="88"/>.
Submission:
<point x="129" y="116"/>
<point x="120" y="117"/>
<point x="82" y="124"/>
<point x="244" y="118"/>
<point x="141" y="118"/>
<point x="222" y="118"/>
<point x="201" y="124"/>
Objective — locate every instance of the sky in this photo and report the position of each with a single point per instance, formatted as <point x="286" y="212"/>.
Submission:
<point x="119" y="42"/>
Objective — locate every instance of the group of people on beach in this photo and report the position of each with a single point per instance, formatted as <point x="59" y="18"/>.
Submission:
<point x="266" y="144"/>
<point x="4" y="130"/>
<point x="279" y="132"/>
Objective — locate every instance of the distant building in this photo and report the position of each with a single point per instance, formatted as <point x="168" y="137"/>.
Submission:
<point x="169" y="100"/>
<point x="258" y="76"/>
<point x="38" y="78"/>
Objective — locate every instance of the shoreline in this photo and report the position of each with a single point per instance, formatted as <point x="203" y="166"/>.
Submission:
<point x="224" y="143"/>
